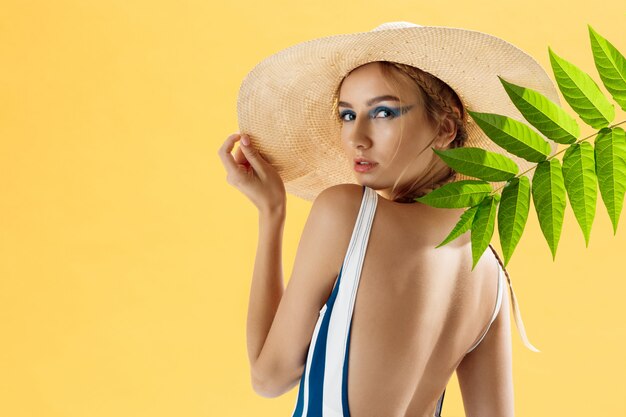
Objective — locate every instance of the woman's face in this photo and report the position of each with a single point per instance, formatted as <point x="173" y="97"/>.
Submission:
<point x="374" y="118"/>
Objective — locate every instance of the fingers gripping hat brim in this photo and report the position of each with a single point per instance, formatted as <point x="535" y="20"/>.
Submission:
<point x="285" y="103"/>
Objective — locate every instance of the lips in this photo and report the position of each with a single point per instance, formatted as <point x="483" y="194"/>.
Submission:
<point x="364" y="165"/>
<point x="358" y="160"/>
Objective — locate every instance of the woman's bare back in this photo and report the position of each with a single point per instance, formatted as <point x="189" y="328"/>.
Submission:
<point x="417" y="312"/>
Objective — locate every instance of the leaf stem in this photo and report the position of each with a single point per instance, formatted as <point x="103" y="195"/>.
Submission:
<point x="562" y="150"/>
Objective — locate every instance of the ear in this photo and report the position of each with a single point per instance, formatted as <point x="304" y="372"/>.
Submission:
<point x="447" y="133"/>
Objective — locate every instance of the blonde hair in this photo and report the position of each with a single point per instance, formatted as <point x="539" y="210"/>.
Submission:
<point x="439" y="101"/>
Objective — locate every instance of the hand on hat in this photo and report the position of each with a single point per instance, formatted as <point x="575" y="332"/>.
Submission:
<point x="250" y="173"/>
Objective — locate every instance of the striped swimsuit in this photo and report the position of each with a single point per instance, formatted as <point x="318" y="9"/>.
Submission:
<point x="323" y="390"/>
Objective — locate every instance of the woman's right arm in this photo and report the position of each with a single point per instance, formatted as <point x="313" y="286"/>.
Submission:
<point x="250" y="173"/>
<point x="282" y="319"/>
<point x="485" y="374"/>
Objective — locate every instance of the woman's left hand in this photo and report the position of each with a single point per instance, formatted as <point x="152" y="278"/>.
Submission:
<point x="251" y="174"/>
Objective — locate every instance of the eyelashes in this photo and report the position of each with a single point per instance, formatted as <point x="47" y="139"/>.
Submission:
<point x="392" y="112"/>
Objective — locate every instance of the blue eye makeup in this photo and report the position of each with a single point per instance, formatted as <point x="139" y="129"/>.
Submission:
<point x="392" y="112"/>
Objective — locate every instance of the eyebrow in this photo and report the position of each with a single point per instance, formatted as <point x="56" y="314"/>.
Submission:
<point x="371" y="101"/>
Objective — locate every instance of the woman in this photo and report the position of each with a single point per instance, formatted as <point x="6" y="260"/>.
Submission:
<point x="421" y="312"/>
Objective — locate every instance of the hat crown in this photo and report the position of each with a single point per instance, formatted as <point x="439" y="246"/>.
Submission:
<point x="395" y="25"/>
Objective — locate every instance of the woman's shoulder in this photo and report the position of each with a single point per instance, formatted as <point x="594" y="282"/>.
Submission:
<point x="331" y="222"/>
<point x="341" y="201"/>
<point x="340" y="193"/>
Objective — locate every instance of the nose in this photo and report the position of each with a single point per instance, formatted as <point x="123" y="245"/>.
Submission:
<point x="358" y="135"/>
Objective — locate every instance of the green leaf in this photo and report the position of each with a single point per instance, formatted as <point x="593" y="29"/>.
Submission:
<point x="512" y="214"/>
<point x="610" y="155"/>
<point x="514" y="136"/>
<point x="463" y="225"/>
<point x="611" y="66"/>
<point x="541" y="112"/>
<point x="482" y="226"/>
<point x="582" y="93"/>
<point x="458" y="194"/>
<point x="479" y="163"/>
<point x="579" y="172"/>
<point x="548" y="191"/>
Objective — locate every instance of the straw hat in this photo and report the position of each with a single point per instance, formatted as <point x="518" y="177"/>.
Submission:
<point x="285" y="103"/>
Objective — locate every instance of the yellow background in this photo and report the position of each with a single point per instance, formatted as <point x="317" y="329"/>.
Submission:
<point x="126" y="258"/>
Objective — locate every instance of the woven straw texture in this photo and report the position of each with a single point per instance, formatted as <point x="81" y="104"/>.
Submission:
<point x="285" y="102"/>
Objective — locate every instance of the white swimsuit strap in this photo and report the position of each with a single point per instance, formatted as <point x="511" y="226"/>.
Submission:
<point x="518" y="317"/>
<point x="341" y="316"/>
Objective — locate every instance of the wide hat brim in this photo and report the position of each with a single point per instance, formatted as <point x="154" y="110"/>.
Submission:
<point x="285" y="102"/>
